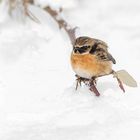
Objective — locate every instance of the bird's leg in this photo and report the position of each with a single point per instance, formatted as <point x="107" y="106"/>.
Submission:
<point x="119" y="81"/>
<point x="95" y="81"/>
<point x="85" y="81"/>
<point x="79" y="80"/>
<point x="92" y="85"/>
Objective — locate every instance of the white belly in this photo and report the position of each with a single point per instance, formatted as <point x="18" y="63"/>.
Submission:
<point x="83" y="73"/>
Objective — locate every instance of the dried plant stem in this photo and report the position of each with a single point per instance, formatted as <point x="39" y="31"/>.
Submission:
<point x="93" y="88"/>
<point x="92" y="82"/>
<point x="62" y="23"/>
<point x="27" y="12"/>
<point x="56" y="16"/>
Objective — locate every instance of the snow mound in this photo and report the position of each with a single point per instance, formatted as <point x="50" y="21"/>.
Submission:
<point x="38" y="100"/>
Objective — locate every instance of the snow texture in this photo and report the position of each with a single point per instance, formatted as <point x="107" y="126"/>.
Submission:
<point x="38" y="100"/>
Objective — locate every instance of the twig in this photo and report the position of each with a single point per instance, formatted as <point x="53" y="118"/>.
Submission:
<point x="120" y="84"/>
<point x="93" y="82"/>
<point x="28" y="12"/>
<point x="92" y="86"/>
<point x="94" y="89"/>
<point x="119" y="81"/>
<point x="62" y="23"/>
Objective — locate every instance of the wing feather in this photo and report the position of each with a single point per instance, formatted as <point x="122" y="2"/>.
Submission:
<point x="101" y="52"/>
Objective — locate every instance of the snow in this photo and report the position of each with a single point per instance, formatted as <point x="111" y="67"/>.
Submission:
<point x="38" y="100"/>
<point x="57" y="3"/>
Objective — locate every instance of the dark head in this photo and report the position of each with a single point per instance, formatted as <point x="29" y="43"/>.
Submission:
<point x="83" y="45"/>
<point x="86" y="44"/>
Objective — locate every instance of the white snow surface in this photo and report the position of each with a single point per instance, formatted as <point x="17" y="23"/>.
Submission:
<point x="67" y="4"/>
<point x="38" y="100"/>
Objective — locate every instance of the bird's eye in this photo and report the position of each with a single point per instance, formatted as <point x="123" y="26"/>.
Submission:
<point x="85" y="47"/>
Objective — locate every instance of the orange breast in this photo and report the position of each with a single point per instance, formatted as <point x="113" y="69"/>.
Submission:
<point x="88" y="65"/>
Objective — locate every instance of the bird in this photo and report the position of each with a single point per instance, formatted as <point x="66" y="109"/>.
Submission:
<point x="90" y="59"/>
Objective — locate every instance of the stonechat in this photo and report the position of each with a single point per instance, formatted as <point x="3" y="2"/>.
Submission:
<point x="90" y="59"/>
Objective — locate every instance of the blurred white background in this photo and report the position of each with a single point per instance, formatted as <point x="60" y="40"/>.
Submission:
<point x="38" y="100"/>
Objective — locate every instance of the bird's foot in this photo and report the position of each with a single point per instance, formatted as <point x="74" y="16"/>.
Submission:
<point x="89" y="82"/>
<point x="80" y="80"/>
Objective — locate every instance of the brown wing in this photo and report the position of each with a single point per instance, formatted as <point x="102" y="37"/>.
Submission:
<point x="100" y="50"/>
<point x="105" y="56"/>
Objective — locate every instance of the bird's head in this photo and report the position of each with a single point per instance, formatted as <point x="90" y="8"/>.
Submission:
<point x="83" y="45"/>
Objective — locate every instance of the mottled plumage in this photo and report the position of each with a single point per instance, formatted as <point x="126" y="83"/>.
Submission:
<point x="90" y="58"/>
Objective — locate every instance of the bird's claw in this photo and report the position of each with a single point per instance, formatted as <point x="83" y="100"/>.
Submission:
<point x="78" y="82"/>
<point x="89" y="82"/>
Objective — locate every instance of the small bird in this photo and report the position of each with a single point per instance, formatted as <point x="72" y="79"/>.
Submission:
<point x="90" y="59"/>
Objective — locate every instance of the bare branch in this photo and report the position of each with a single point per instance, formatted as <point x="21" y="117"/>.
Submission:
<point x="56" y="16"/>
<point x="62" y="23"/>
